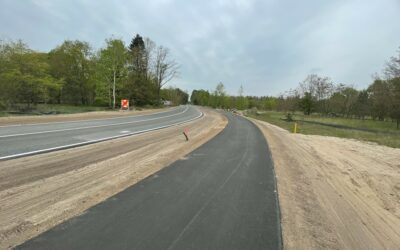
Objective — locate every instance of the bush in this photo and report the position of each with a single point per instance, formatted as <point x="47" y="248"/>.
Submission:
<point x="2" y="106"/>
<point x="101" y="102"/>
<point x="289" y="117"/>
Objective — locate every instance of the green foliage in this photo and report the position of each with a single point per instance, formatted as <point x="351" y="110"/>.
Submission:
<point x="138" y="56"/>
<point x="379" y="93"/>
<point x="140" y="90"/>
<point x="111" y="71"/>
<point x="71" y="62"/>
<point x="289" y="117"/>
<point x="24" y="76"/>
<point x="307" y="103"/>
<point x="174" y="95"/>
<point x="200" y="97"/>
<point x="73" y="73"/>
<point x="394" y="85"/>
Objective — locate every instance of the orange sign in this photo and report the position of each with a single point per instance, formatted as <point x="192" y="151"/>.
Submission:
<point x="124" y="104"/>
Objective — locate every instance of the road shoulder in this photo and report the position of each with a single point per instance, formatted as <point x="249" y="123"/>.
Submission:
<point x="335" y="193"/>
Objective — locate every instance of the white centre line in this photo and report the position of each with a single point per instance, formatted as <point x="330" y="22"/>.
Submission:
<point x="89" y="120"/>
<point x="95" y="141"/>
<point x="97" y="126"/>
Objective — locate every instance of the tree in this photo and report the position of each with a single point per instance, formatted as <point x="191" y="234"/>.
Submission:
<point x="307" y="103"/>
<point x="72" y="62"/>
<point x="270" y="103"/>
<point x="320" y="88"/>
<point x="392" y="69"/>
<point x="379" y="92"/>
<point x="394" y="86"/>
<point x="165" y="68"/>
<point x="111" y="64"/>
<point x="139" y="56"/>
<point x="24" y="76"/>
<point x="350" y="98"/>
<point x="200" y="97"/>
<point x="175" y="95"/>
<point x="219" y="95"/>
<point x="140" y="88"/>
<point x="241" y="102"/>
<point x="362" y="104"/>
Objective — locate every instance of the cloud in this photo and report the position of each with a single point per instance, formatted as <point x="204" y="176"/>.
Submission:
<point x="267" y="46"/>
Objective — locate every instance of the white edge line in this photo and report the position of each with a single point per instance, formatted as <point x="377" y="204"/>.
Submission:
<point x="9" y="157"/>
<point x="95" y="126"/>
<point x="87" y="120"/>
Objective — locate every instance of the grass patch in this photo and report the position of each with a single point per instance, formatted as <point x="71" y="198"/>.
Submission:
<point x="47" y="109"/>
<point x="385" y="131"/>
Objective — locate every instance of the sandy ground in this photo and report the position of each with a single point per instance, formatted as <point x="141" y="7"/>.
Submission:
<point x="41" y="191"/>
<point x="29" y="119"/>
<point x="335" y="193"/>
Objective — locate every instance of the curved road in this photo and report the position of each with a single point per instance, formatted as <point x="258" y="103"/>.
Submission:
<point x="221" y="196"/>
<point x="22" y="140"/>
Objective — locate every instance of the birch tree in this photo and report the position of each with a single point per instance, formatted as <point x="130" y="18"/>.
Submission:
<point x="113" y="60"/>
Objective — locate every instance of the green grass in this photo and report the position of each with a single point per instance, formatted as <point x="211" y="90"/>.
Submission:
<point x="386" y="134"/>
<point x="43" y="109"/>
<point x="383" y="126"/>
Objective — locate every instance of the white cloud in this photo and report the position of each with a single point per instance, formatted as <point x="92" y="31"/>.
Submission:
<point x="268" y="46"/>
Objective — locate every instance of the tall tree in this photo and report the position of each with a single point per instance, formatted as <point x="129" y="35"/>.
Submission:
<point x="362" y="105"/>
<point x="24" y="76"/>
<point x="112" y="62"/>
<point x="140" y="88"/>
<point x="219" y="94"/>
<point x="138" y="55"/>
<point x="392" y="69"/>
<point x="165" y="68"/>
<point x="72" y="62"/>
<point x="241" y="102"/>
<point x="379" y="92"/>
<point x="320" y="88"/>
<point x="394" y="86"/>
<point x="307" y="103"/>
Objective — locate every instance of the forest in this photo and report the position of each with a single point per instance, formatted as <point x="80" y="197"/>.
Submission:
<point x="319" y="94"/>
<point x="74" y="73"/>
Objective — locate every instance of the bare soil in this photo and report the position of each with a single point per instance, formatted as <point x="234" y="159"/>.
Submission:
<point x="335" y="193"/>
<point x="29" y="119"/>
<point x="39" y="192"/>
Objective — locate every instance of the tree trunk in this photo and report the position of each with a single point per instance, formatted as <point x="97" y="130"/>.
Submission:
<point x="109" y="96"/>
<point x="158" y="96"/>
<point x="114" y="91"/>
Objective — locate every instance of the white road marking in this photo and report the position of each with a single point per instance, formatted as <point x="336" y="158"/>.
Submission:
<point x="124" y="131"/>
<point x="94" y="141"/>
<point x="88" y="120"/>
<point x="97" y="126"/>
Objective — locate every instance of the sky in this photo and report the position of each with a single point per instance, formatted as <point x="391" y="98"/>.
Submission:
<point x="268" y="46"/>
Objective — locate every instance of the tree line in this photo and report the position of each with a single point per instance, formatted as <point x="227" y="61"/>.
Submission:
<point x="74" y="73"/>
<point x="319" y="94"/>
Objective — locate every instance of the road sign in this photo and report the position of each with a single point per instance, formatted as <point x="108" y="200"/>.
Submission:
<point x="124" y="104"/>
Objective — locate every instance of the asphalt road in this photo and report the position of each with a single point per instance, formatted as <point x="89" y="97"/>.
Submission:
<point x="221" y="196"/>
<point x="22" y="140"/>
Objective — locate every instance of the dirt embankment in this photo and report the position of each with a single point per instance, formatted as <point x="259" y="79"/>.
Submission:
<point x="335" y="193"/>
<point x="29" y="119"/>
<point x="41" y="191"/>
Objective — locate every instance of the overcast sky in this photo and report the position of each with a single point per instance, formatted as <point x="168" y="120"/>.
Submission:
<point x="268" y="46"/>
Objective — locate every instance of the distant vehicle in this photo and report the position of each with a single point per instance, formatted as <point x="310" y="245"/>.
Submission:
<point x="167" y="103"/>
